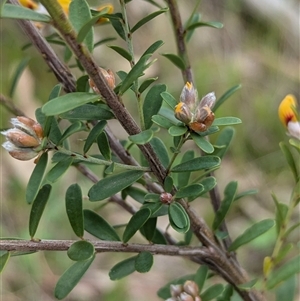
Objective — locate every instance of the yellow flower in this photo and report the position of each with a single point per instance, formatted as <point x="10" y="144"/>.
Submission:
<point x="288" y="116"/>
<point x="65" y="6"/>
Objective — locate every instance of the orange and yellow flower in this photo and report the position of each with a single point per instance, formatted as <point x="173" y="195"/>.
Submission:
<point x="65" y="6"/>
<point x="287" y="112"/>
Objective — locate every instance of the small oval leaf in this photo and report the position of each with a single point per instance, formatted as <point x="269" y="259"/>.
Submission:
<point x="74" y="209"/>
<point x="67" y="102"/>
<point x="81" y="250"/>
<point x="202" y="143"/>
<point x="71" y="277"/>
<point x="212" y="292"/>
<point x="58" y="170"/>
<point x="197" y="164"/>
<point x="94" y="133"/>
<point x="113" y="184"/>
<point x="122" y="269"/>
<point x="169" y="99"/>
<point x="98" y="226"/>
<point x="142" y="137"/>
<point x="192" y="190"/>
<point x="229" y="194"/>
<point x="226" y="121"/>
<point x="38" y="207"/>
<point x="177" y="130"/>
<point x="175" y="59"/>
<point x="135" y="223"/>
<point x="178" y="215"/>
<point x="36" y="178"/>
<point x="143" y="262"/>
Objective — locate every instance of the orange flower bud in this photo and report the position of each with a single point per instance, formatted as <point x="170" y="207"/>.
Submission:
<point x="109" y="77"/>
<point x="110" y="10"/>
<point x="183" y="113"/>
<point x="29" y="4"/>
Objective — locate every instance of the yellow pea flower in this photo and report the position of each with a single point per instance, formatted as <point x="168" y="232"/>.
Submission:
<point x="288" y="116"/>
<point x="65" y="6"/>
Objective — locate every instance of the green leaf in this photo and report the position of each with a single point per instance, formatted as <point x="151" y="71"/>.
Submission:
<point x="227" y="293"/>
<point x="72" y="129"/>
<point x="104" y="146"/>
<point x="178" y="218"/>
<point x="290" y="160"/>
<point x="117" y="22"/>
<point x="82" y="84"/>
<point x="177" y="130"/>
<point x="212" y="292"/>
<point x="225" y="96"/>
<point x="201" y="276"/>
<point x="149" y="228"/>
<point x="135" y="223"/>
<point x="67" y="102"/>
<point x="281" y="211"/>
<point x="12" y="11"/>
<point x="74" y="209"/>
<point x="98" y="226"/>
<point x="93" y="135"/>
<point x="136" y="71"/>
<point x="212" y="24"/>
<point x="229" y="194"/>
<point x="295" y="143"/>
<point x="136" y="193"/>
<point x="168" y="184"/>
<point x="81" y="250"/>
<point x="192" y="190"/>
<point x="37" y="208"/>
<point x="103" y="41"/>
<point x="79" y="15"/>
<point x="162" y="121"/>
<point x="251" y="233"/>
<point x="89" y="112"/>
<point x="175" y="59"/>
<point x="17" y="74"/>
<point x="36" y="178"/>
<point x="124" y="53"/>
<point x="245" y="193"/>
<point x="152" y="103"/>
<point x="202" y="143"/>
<point x="248" y="285"/>
<point x="87" y="27"/>
<point x="71" y="277"/>
<point x="224" y="139"/>
<point x="194" y="18"/>
<point x="146" y="83"/>
<point x="197" y="164"/>
<point x="142" y="137"/>
<point x="122" y="269"/>
<point x="143" y="262"/>
<point x="113" y="184"/>
<point x="169" y="99"/>
<point x="4" y="256"/>
<point x="226" y="121"/>
<point x="290" y="268"/>
<point x="208" y="183"/>
<point x="161" y="151"/>
<point x="151" y="49"/>
<point x="147" y="19"/>
<point x="184" y="177"/>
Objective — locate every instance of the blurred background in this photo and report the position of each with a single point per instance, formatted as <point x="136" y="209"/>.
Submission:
<point x="257" y="48"/>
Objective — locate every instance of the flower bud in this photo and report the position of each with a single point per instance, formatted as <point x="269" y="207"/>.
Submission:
<point x="189" y="96"/>
<point x="109" y="77"/>
<point x="191" y="288"/>
<point x="29" y="4"/>
<point x="183" y="113"/>
<point x="23" y="139"/>
<point x="185" y="297"/>
<point x="166" y="198"/>
<point x="175" y="289"/>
